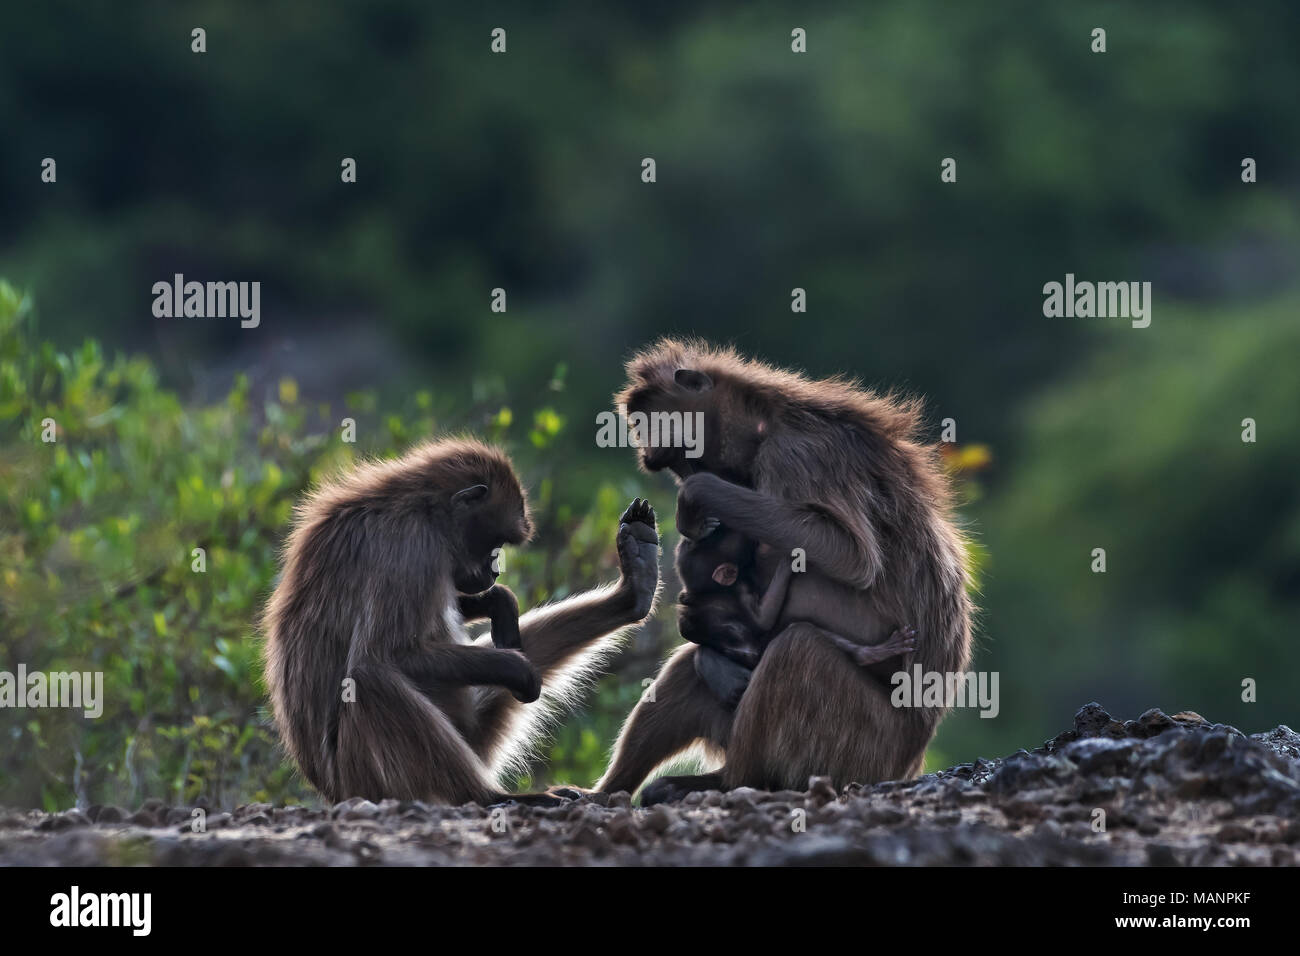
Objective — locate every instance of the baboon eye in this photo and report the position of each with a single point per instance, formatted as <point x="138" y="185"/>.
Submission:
<point x="693" y="380"/>
<point x="470" y="494"/>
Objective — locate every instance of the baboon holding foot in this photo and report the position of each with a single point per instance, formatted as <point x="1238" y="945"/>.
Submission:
<point x="376" y="688"/>
<point x="832" y="472"/>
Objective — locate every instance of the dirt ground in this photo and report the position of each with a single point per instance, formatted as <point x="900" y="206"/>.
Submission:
<point x="1173" y="790"/>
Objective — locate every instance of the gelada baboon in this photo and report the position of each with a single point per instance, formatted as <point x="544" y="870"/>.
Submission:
<point x="837" y="471"/>
<point x="725" y="607"/>
<point x="376" y="688"/>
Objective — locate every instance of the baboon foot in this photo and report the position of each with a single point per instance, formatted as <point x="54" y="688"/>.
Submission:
<point x="525" y="800"/>
<point x="672" y="789"/>
<point x="901" y="642"/>
<point x="638" y="555"/>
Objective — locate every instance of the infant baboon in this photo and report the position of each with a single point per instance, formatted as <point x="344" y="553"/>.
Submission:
<point x="838" y="473"/>
<point x="725" y="608"/>
<point x="376" y="688"/>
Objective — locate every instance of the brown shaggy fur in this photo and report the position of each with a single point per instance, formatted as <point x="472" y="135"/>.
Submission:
<point x="369" y="592"/>
<point x="834" y="469"/>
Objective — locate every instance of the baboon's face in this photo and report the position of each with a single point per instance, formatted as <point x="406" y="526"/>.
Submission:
<point x="487" y="523"/>
<point x="725" y="439"/>
<point x="662" y="455"/>
<point x="692" y="396"/>
<point x="713" y="563"/>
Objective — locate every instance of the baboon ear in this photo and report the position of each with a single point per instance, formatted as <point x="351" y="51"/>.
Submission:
<point x="726" y="574"/>
<point x="470" y="495"/>
<point x="693" y="380"/>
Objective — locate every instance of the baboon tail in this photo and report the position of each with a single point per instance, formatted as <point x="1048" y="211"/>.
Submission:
<point x="393" y="742"/>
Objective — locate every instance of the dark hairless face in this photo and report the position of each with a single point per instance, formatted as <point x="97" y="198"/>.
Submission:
<point x="713" y="562"/>
<point x="486" y="524"/>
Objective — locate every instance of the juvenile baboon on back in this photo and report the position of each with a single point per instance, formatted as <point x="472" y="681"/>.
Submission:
<point x="838" y="472"/>
<point x="376" y="687"/>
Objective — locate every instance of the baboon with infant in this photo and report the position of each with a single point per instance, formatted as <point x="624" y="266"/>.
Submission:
<point x="834" y="472"/>
<point x="725" y="607"/>
<point x="376" y="688"/>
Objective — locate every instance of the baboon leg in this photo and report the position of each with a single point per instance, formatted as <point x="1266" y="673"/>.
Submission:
<point x="809" y="712"/>
<point x="899" y="644"/>
<point x="682" y="712"/>
<point x="393" y="742"/>
<point x="563" y="641"/>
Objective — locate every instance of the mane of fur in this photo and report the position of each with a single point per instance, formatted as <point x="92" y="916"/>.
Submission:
<point x="764" y="389"/>
<point x="446" y="463"/>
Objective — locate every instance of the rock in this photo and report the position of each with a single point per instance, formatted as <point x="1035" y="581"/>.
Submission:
<point x="107" y="814"/>
<point x="1176" y="790"/>
<point x="821" y="790"/>
<point x="361" y="810"/>
<point x="621" y="830"/>
<point x="657" y="819"/>
<point x="63" y="821"/>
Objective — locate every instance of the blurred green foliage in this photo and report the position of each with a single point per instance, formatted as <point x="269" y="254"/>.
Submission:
<point x="1141" y="453"/>
<point x="98" y="532"/>
<point x="775" y="170"/>
<point x="521" y="171"/>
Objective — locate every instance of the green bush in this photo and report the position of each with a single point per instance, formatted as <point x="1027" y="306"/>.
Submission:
<point x="98" y="538"/>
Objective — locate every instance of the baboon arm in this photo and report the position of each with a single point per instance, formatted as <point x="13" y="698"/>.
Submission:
<point x="769" y="608"/>
<point x="471" y="665"/>
<point x="849" y="555"/>
<point x="478" y="607"/>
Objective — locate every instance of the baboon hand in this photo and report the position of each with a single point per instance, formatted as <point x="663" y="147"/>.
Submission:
<point x="505" y="617"/>
<point x="525" y="684"/>
<point x="638" y="556"/>
<point x="693" y="519"/>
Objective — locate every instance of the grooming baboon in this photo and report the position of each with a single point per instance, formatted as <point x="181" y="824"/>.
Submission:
<point x="376" y="688"/>
<point x="834" y="470"/>
<point x="724" y="607"/>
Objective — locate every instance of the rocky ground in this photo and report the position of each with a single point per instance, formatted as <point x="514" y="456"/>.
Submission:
<point x="1174" y="790"/>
